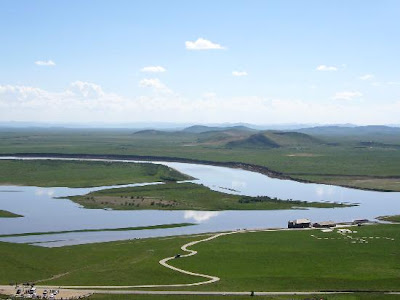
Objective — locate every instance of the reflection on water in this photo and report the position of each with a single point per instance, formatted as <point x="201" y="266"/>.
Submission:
<point x="200" y="216"/>
<point x="238" y="185"/>
<point x="42" y="212"/>
<point x="323" y="191"/>
<point x="48" y="192"/>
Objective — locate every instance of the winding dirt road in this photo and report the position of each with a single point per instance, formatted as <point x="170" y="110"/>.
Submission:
<point x="164" y="263"/>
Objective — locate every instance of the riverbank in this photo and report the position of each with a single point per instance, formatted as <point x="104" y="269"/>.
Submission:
<point x="395" y="218"/>
<point x="238" y="165"/>
<point x="44" y="173"/>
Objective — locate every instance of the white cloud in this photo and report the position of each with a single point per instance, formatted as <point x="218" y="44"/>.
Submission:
<point x="200" y="216"/>
<point x="347" y="95"/>
<point x="209" y="95"/>
<point x="154" y="83"/>
<point x="86" y="89"/>
<point x="153" y="69"/>
<point x="239" y="73"/>
<point x="202" y="44"/>
<point x="45" y="63"/>
<point x="326" y="68"/>
<point x="367" y="77"/>
<point x="89" y="102"/>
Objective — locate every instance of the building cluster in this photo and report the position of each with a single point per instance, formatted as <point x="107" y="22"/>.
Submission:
<point x="306" y="223"/>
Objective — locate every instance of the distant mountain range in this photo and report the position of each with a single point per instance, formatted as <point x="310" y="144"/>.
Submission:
<point x="173" y="126"/>
<point x="349" y="131"/>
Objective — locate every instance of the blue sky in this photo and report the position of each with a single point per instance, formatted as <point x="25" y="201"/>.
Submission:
<point x="300" y="61"/>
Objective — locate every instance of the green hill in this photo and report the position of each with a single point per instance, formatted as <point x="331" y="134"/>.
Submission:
<point x="292" y="139"/>
<point x="274" y="139"/>
<point x="258" y="140"/>
<point x="149" y="132"/>
<point x="223" y="137"/>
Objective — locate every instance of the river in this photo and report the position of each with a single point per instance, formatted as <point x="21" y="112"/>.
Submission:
<point x="43" y="211"/>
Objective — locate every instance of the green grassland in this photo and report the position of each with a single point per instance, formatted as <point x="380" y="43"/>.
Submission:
<point x="82" y="173"/>
<point x="370" y="157"/>
<point x="356" y="296"/>
<point x="259" y="261"/>
<point x="293" y="260"/>
<point x="116" y="263"/>
<point x="8" y="214"/>
<point x="185" y="196"/>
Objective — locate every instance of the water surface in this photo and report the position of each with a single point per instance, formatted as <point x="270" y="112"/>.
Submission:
<point x="43" y="212"/>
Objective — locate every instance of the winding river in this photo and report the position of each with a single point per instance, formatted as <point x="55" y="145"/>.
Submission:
<point x="43" y="212"/>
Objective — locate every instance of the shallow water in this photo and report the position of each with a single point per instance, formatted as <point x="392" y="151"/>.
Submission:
<point x="42" y="212"/>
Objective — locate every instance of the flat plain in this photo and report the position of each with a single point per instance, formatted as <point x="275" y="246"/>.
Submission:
<point x="364" y="157"/>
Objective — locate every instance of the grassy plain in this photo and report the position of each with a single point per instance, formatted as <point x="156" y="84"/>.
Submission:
<point x="374" y="157"/>
<point x="8" y="214"/>
<point x="186" y="196"/>
<point x="116" y="263"/>
<point x="357" y="296"/>
<point x="260" y="261"/>
<point x="294" y="260"/>
<point x="82" y="173"/>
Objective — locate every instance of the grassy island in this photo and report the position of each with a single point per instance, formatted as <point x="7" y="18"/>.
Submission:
<point x="185" y="196"/>
<point x="7" y="214"/>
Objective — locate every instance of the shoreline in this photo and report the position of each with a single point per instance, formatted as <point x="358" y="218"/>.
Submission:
<point x="235" y="165"/>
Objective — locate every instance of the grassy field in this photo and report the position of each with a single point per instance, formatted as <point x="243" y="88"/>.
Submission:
<point x="261" y="261"/>
<point x="116" y="263"/>
<point x="373" y="157"/>
<point x="384" y="184"/>
<point x="8" y="214"/>
<point x="294" y="260"/>
<point x="162" y="226"/>
<point x="82" y="173"/>
<point x="357" y="296"/>
<point x="186" y="196"/>
<point x="395" y="218"/>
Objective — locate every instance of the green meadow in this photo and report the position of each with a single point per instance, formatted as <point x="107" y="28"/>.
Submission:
<point x="49" y="173"/>
<point x="352" y="296"/>
<point x="364" y="158"/>
<point x="291" y="260"/>
<point x="297" y="261"/>
<point x="355" y="296"/>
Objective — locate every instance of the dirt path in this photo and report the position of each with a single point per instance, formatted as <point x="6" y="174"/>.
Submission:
<point x="164" y="263"/>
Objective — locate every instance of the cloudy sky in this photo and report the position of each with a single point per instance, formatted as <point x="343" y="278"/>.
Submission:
<point x="261" y="62"/>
